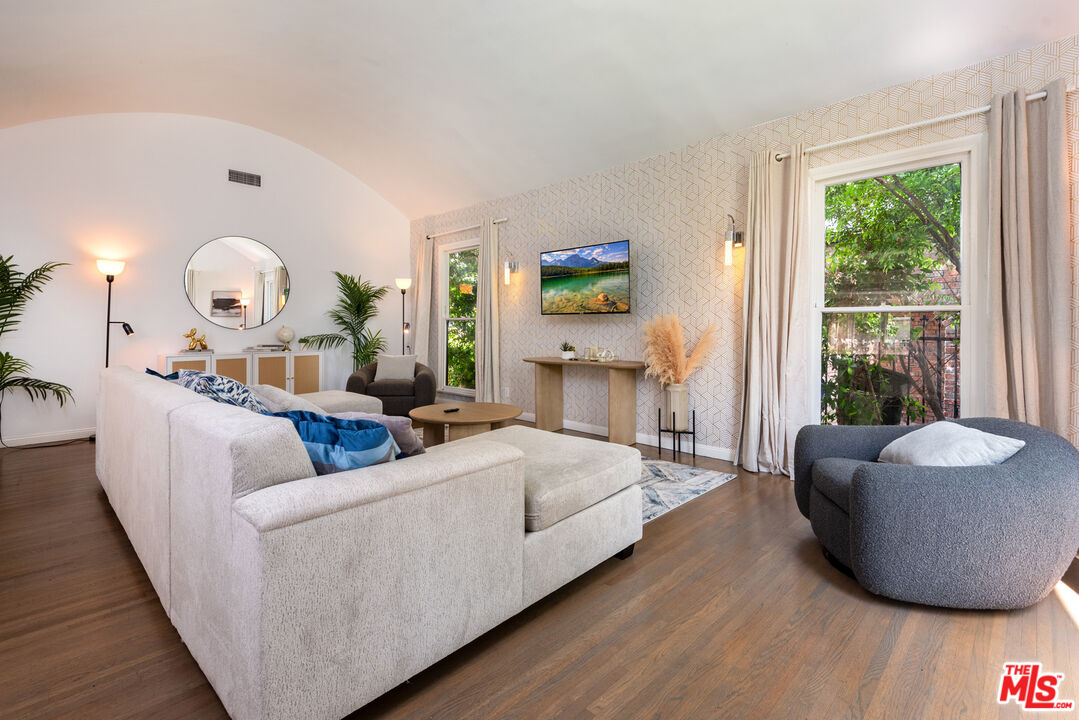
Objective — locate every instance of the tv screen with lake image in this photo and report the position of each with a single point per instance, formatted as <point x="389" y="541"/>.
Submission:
<point x="590" y="279"/>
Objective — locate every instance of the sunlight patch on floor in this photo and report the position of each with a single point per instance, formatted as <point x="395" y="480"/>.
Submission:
<point x="1069" y="599"/>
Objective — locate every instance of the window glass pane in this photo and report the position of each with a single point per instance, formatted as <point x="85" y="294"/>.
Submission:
<point x="461" y="354"/>
<point x="463" y="274"/>
<point x="894" y="239"/>
<point x="889" y="368"/>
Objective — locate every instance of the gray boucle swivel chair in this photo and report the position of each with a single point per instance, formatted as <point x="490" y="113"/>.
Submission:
<point x="398" y="396"/>
<point x="990" y="536"/>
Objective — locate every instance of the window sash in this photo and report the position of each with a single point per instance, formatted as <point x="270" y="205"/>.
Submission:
<point x="970" y="153"/>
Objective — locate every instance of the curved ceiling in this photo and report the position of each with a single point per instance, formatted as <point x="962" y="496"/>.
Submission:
<point x="440" y="104"/>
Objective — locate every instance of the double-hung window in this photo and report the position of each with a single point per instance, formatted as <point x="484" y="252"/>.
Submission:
<point x="895" y="277"/>
<point x="460" y="277"/>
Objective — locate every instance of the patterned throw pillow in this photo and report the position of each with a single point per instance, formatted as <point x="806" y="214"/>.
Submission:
<point x="222" y="389"/>
<point x="335" y="444"/>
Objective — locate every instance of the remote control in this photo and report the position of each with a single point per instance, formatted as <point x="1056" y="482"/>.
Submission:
<point x="451" y="410"/>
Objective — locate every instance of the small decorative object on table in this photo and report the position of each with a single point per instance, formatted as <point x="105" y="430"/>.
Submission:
<point x="665" y="358"/>
<point x="195" y="344"/>
<point x="286" y="335"/>
<point x="568" y="351"/>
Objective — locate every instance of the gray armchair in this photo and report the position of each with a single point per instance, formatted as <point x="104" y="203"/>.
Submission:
<point x="991" y="536"/>
<point x="398" y="396"/>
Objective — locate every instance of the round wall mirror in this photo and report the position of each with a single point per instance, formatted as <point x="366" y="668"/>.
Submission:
<point x="236" y="282"/>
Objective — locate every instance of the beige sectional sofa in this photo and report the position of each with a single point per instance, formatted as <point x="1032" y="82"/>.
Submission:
<point x="307" y="597"/>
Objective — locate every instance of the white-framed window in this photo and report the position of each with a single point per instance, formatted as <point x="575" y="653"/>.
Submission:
<point x="897" y="261"/>
<point x="459" y="273"/>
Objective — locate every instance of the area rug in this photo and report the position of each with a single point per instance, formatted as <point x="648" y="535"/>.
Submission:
<point x="667" y="485"/>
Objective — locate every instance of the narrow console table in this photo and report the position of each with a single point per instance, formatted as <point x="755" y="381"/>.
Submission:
<point x="621" y="395"/>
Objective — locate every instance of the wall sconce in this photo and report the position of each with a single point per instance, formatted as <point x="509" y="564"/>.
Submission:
<point x="510" y="266"/>
<point x="110" y="269"/>
<point x="732" y="239"/>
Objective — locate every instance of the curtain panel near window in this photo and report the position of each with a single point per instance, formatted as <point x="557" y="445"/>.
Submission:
<point x="421" y="303"/>
<point x="775" y="313"/>
<point x="488" y="370"/>
<point x="1029" y="272"/>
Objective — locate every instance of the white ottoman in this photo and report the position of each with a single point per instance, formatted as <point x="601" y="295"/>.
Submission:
<point x="335" y="401"/>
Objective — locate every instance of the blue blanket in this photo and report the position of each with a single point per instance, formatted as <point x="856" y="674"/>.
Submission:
<point x="336" y="445"/>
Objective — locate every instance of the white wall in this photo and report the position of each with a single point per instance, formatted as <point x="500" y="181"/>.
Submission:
<point x="150" y="189"/>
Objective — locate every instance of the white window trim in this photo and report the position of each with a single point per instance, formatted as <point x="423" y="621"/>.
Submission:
<point x="970" y="152"/>
<point x="444" y="310"/>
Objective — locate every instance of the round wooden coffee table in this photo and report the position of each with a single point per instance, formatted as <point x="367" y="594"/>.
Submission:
<point x="468" y="419"/>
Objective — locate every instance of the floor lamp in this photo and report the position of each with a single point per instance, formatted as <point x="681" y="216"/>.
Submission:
<point x="110" y="269"/>
<point x="403" y="284"/>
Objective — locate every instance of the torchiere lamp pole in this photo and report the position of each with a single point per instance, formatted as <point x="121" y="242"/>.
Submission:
<point x="110" y="269"/>
<point x="404" y="284"/>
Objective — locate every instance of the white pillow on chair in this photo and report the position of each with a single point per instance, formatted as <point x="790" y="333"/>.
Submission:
<point x="949" y="444"/>
<point x="395" y="367"/>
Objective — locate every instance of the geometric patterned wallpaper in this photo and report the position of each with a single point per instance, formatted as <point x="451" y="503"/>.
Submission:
<point x="673" y="207"/>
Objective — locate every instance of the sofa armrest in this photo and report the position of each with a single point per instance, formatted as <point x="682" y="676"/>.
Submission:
<point x="302" y="500"/>
<point x="985" y="536"/>
<point x="357" y="581"/>
<point x="424" y="389"/>
<point x="857" y="442"/>
<point x="359" y="380"/>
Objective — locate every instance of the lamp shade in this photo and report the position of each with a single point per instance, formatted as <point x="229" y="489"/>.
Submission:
<point x="110" y="267"/>
<point x="245" y="301"/>
<point x="403" y="283"/>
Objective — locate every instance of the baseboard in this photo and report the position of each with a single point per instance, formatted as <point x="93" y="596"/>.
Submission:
<point x="50" y="437"/>
<point x="712" y="451"/>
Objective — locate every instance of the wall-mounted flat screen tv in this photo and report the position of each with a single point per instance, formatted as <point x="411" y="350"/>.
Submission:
<point x="589" y="279"/>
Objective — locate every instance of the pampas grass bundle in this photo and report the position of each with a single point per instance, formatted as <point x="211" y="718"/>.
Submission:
<point x="665" y="350"/>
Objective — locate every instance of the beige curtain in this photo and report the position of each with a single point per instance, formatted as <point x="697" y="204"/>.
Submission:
<point x="775" y="313"/>
<point x="488" y="370"/>
<point x="421" y="301"/>
<point x="1029" y="268"/>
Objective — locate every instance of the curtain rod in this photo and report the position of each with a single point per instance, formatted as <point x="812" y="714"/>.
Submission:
<point x="912" y="126"/>
<point x="477" y="226"/>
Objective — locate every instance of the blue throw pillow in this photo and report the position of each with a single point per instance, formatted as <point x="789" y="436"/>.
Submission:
<point x="222" y="389"/>
<point x="335" y="444"/>
<point x="171" y="377"/>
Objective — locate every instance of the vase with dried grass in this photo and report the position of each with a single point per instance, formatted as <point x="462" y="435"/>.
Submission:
<point x="665" y="358"/>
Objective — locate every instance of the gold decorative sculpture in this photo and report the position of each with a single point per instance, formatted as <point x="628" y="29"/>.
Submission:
<point x="196" y="343"/>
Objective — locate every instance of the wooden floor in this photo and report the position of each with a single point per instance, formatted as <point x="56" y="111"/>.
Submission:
<point x="726" y="610"/>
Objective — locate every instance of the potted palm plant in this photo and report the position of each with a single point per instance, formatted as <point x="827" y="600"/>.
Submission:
<point x="16" y="289"/>
<point x="357" y="305"/>
<point x="665" y="358"/>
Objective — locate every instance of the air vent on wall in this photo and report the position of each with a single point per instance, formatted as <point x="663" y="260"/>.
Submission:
<point x="245" y="178"/>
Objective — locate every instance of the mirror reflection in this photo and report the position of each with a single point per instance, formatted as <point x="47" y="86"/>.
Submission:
<point x="236" y="282"/>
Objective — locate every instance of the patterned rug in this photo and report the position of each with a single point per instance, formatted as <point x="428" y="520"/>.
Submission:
<point x="667" y="485"/>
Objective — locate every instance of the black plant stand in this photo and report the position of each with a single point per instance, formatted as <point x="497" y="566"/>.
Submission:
<point x="676" y="435"/>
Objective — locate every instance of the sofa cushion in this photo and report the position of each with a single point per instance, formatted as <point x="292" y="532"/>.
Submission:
<point x="277" y="400"/>
<point x="949" y="444"/>
<point x="222" y="389"/>
<point x="391" y="388"/>
<point x="564" y="475"/>
<point x="395" y="367"/>
<point x="336" y="445"/>
<point x="400" y="427"/>
<point x="339" y="401"/>
<point x="832" y="476"/>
